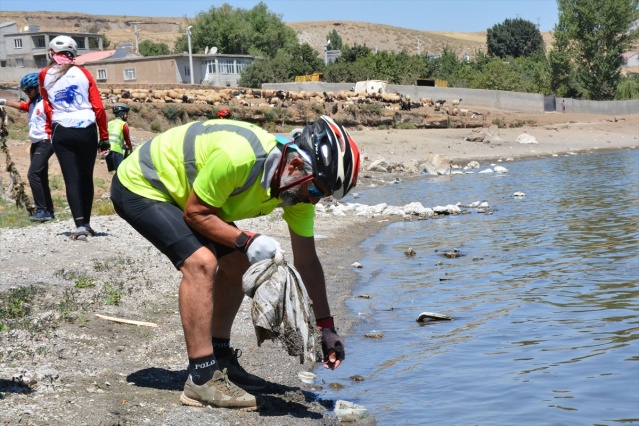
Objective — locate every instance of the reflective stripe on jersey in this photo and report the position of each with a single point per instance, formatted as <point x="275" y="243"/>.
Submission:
<point x="199" y="129"/>
<point x="116" y="136"/>
<point x="190" y="163"/>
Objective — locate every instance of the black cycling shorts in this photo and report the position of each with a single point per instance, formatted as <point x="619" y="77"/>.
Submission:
<point x="162" y="224"/>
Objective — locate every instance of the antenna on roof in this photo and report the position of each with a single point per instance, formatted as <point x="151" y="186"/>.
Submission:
<point x="206" y="50"/>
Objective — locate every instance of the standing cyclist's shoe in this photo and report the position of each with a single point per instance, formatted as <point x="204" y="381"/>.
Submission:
<point x="217" y="392"/>
<point x="40" y="216"/>
<point x="239" y="375"/>
<point x="90" y="230"/>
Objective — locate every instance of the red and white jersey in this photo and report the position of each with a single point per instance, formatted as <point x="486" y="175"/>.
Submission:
<point x="73" y="99"/>
<point x="37" y="121"/>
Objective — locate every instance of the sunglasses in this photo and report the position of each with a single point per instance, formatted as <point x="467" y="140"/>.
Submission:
<point x="312" y="189"/>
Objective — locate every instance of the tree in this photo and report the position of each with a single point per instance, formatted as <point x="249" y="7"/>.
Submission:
<point x="149" y="48"/>
<point x="563" y="82"/>
<point x="305" y="60"/>
<point x="267" y="71"/>
<point x="334" y="40"/>
<point x="93" y="43"/>
<point x="514" y="37"/>
<point x="239" y="31"/>
<point x="351" y="54"/>
<point x="596" y="34"/>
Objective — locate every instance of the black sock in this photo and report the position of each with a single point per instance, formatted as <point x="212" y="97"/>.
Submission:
<point x="221" y="347"/>
<point x="202" y="369"/>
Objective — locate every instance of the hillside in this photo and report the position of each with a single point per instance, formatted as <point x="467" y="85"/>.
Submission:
<point x="119" y="29"/>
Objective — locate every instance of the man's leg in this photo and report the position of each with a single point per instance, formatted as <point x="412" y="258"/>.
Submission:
<point x="163" y="225"/>
<point x="227" y="298"/>
<point x="196" y="302"/>
<point x="227" y="292"/>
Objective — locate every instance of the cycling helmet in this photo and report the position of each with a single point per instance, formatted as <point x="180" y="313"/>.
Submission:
<point x="29" y="81"/>
<point x="64" y="44"/>
<point x="120" y="109"/>
<point x="333" y="153"/>
<point x="223" y="113"/>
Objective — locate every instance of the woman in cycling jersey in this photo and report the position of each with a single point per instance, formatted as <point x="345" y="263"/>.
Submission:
<point x="76" y="121"/>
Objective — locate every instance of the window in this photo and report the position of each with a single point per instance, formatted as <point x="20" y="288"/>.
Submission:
<point x="41" y="62"/>
<point x="129" y="74"/>
<point x="38" y="42"/>
<point x="227" y="66"/>
<point x="242" y="64"/>
<point x="80" y="43"/>
<point x="19" y="62"/>
<point x="17" y="43"/>
<point x="210" y="66"/>
<point x="187" y="70"/>
<point x="102" y="75"/>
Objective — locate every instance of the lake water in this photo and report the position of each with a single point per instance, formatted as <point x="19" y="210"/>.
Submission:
<point x="545" y="300"/>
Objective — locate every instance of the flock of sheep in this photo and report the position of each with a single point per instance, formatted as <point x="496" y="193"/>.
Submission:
<point x="265" y="98"/>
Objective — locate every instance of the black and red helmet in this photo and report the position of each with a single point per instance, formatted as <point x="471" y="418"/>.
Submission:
<point x="333" y="153"/>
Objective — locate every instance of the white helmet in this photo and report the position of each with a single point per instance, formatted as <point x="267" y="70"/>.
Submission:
<point x="64" y="44"/>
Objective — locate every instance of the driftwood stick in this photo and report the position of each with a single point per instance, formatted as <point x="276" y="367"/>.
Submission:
<point x="126" y="321"/>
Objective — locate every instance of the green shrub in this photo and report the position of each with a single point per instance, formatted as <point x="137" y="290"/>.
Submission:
<point x="173" y="113"/>
<point x="156" y="126"/>
<point x="374" y="108"/>
<point x="499" y="122"/>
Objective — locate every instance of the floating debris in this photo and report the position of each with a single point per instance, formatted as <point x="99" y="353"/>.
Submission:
<point x="409" y="252"/>
<point x="357" y="378"/>
<point x="364" y="296"/>
<point x="453" y="254"/>
<point x="374" y="335"/>
<point x="336" y="385"/>
<point x="433" y="316"/>
<point x="519" y="194"/>
<point x="357" y="265"/>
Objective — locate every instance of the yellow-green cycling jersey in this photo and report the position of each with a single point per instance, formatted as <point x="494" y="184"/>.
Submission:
<point x="222" y="161"/>
<point x="116" y="135"/>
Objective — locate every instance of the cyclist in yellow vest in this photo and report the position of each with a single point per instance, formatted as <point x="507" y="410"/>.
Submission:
<point x="119" y="139"/>
<point x="184" y="189"/>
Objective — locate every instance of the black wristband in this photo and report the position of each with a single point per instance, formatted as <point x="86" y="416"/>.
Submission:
<point x="243" y="240"/>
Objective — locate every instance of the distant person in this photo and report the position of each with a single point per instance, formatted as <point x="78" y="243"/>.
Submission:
<point x="41" y="148"/>
<point x="76" y="120"/>
<point x="563" y="105"/>
<point x="119" y="140"/>
<point x="183" y="191"/>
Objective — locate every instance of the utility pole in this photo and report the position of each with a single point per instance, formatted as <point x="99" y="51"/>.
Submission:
<point x="136" y="32"/>
<point x="188" y="36"/>
<point x="419" y="51"/>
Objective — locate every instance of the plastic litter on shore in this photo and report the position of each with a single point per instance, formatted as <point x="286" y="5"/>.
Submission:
<point x="347" y="411"/>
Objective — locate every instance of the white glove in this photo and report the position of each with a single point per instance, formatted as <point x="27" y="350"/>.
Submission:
<point x="262" y="248"/>
<point x="3" y="102"/>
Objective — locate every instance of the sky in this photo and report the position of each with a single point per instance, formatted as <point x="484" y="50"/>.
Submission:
<point x="423" y="15"/>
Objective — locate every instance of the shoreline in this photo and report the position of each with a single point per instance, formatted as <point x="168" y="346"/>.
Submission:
<point x="144" y="367"/>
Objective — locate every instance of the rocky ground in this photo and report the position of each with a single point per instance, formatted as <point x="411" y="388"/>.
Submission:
<point x="60" y="364"/>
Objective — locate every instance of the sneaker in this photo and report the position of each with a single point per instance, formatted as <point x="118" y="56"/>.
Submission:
<point x="217" y="392"/>
<point x="237" y="374"/>
<point x="40" y="216"/>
